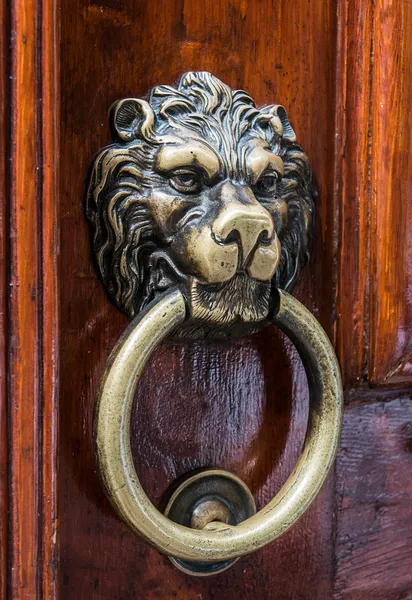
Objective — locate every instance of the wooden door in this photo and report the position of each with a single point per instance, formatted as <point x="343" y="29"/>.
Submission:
<point x="342" y="69"/>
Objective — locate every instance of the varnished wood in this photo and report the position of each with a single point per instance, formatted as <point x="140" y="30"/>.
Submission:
<point x="50" y="246"/>
<point x="169" y="436"/>
<point x="391" y="177"/>
<point x="353" y="154"/>
<point x="343" y="71"/>
<point x="3" y="309"/>
<point x="23" y="315"/>
<point x="373" y="182"/>
<point x="31" y="234"/>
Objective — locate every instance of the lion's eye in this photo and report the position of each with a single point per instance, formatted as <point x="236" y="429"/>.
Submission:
<point x="187" y="182"/>
<point x="266" y="184"/>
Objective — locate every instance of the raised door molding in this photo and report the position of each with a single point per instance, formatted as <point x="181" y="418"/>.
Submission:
<point x="374" y="193"/>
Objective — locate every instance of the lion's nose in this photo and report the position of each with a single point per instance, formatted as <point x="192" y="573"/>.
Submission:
<point x="247" y="224"/>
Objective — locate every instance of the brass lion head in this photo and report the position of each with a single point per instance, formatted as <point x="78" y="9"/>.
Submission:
<point x="204" y="191"/>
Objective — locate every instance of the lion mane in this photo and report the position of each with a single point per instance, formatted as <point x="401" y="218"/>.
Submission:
<point x="123" y="175"/>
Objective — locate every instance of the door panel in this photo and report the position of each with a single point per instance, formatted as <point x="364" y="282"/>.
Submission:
<point x="374" y="87"/>
<point x="223" y="405"/>
<point x="341" y="70"/>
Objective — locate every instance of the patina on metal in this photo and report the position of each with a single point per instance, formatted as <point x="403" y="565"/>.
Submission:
<point x="201" y="190"/>
<point x="202" y="214"/>
<point x="209" y="496"/>
<point x="217" y="541"/>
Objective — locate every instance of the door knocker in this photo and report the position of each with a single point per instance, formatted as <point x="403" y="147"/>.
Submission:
<point x="202" y="215"/>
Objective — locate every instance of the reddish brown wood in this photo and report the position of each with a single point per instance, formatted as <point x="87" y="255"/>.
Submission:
<point x="374" y="490"/>
<point x="344" y="77"/>
<point x="222" y="405"/>
<point x="391" y="269"/>
<point x="374" y="183"/>
<point x="3" y="309"/>
<point x="353" y="101"/>
<point x="24" y="340"/>
<point x="31" y="341"/>
<point x="50" y="240"/>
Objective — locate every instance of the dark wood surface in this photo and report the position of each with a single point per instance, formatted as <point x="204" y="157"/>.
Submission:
<point x="374" y="490"/>
<point x="212" y="405"/>
<point x="342" y="71"/>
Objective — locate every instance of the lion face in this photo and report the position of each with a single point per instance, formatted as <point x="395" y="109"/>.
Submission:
<point x="204" y="191"/>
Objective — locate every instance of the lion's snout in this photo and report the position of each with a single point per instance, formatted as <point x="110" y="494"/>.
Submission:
<point x="250" y="227"/>
<point x="240" y="238"/>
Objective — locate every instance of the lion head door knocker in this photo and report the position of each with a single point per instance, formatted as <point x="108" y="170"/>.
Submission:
<point x="202" y="215"/>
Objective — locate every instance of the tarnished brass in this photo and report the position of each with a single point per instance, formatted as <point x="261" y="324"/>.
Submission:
<point x="217" y="541"/>
<point x="201" y="190"/>
<point x="202" y="213"/>
<point x="211" y="495"/>
<point x="207" y="512"/>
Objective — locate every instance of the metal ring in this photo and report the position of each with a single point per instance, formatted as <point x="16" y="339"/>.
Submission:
<point x="217" y="541"/>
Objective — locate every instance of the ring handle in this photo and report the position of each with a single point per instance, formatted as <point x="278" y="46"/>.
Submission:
<point x="208" y="196"/>
<point x="217" y="541"/>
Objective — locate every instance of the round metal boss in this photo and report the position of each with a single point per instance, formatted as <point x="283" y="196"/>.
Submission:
<point x="209" y="496"/>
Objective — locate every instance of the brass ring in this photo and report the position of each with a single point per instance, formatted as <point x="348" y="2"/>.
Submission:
<point x="216" y="542"/>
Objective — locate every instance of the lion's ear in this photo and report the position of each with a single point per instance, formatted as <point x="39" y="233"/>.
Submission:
<point x="280" y="123"/>
<point x="131" y="118"/>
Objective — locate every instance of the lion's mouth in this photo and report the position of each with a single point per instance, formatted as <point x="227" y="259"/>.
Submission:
<point x="242" y="302"/>
<point x="241" y="299"/>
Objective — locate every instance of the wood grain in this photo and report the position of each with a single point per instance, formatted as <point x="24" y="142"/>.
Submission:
<point x="352" y="166"/>
<point x="3" y="306"/>
<point x="374" y="490"/>
<point x="391" y="172"/>
<point x="374" y="193"/>
<point x="31" y="235"/>
<point x="24" y="340"/>
<point x="212" y="404"/>
<point x="343" y="72"/>
<point x="50" y="248"/>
